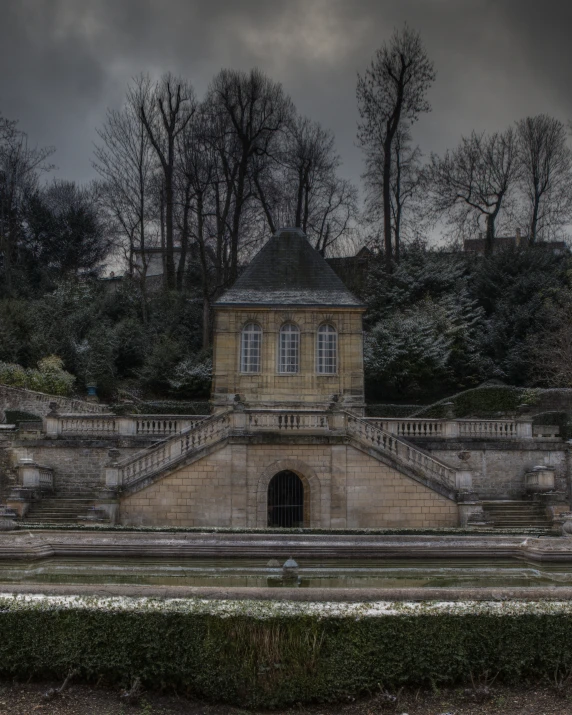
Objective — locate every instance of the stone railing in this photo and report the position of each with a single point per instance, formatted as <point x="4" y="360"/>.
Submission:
<point x="452" y="429"/>
<point x="404" y="452"/>
<point x="165" y="424"/>
<point x="74" y="425"/>
<point x="100" y="425"/>
<point x="295" y="421"/>
<point x="169" y="451"/>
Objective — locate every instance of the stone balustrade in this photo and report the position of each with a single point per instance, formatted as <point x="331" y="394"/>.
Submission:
<point x="169" y="451"/>
<point x="83" y="425"/>
<point x="415" y="458"/>
<point x="109" y="425"/>
<point x="456" y="428"/>
<point x="294" y="421"/>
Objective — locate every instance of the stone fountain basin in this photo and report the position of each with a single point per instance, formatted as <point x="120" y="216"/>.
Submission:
<point x="234" y="565"/>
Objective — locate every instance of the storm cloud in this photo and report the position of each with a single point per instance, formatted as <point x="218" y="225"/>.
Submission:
<point x="65" y="61"/>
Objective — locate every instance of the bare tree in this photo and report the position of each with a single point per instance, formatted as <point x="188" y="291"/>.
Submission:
<point x="546" y="174"/>
<point x="475" y="181"/>
<point x="301" y="187"/>
<point x="126" y="161"/>
<point x="20" y="166"/>
<point x="392" y="92"/>
<point x="409" y="213"/>
<point x="252" y="111"/>
<point x="198" y="168"/>
<point x="165" y="117"/>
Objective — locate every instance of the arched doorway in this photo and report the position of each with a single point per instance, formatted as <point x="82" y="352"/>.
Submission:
<point x="286" y="500"/>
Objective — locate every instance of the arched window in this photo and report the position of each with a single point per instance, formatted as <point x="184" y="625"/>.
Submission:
<point x="327" y="362"/>
<point x="289" y="348"/>
<point x="250" y="348"/>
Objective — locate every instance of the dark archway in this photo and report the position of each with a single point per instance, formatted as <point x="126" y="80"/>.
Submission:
<point x="286" y="500"/>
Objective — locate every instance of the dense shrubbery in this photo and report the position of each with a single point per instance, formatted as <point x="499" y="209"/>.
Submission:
<point x="442" y="321"/>
<point x="49" y="376"/>
<point x="108" y="338"/>
<point x="261" y="654"/>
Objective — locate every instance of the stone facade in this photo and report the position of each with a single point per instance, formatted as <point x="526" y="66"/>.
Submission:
<point x="343" y="488"/>
<point x="305" y="388"/>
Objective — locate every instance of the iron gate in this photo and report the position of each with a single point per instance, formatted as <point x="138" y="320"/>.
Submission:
<point x="286" y="500"/>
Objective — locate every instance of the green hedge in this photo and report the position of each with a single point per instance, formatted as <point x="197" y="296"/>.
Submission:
<point x="482" y="402"/>
<point x="165" y="407"/>
<point x="378" y="409"/>
<point x="262" y="654"/>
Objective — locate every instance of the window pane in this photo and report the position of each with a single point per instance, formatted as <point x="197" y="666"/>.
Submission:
<point x="289" y="349"/>
<point x="327" y="350"/>
<point x="250" y="348"/>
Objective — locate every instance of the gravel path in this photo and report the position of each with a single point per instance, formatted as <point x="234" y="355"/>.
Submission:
<point x="26" y="699"/>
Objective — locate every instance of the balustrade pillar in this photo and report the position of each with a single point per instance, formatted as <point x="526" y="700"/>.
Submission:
<point x="451" y="429"/>
<point x="463" y="480"/>
<point x="524" y="428"/>
<point x="238" y="421"/>
<point x="126" y="425"/>
<point x="29" y="474"/>
<point x="337" y="421"/>
<point x="112" y="473"/>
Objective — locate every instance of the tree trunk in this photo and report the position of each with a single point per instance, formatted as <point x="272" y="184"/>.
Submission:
<point x="236" y="219"/>
<point x="387" y="204"/>
<point x="490" y="235"/>
<point x="169" y="245"/>
<point x="534" y="222"/>
<point x="204" y="271"/>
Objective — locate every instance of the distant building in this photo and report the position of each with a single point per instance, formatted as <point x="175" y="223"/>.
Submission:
<point x="505" y="243"/>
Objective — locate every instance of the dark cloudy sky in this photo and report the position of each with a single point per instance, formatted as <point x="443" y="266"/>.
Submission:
<point x="63" y="62"/>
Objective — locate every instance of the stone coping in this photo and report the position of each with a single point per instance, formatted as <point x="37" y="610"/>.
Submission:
<point x="38" y="544"/>
<point x="303" y="595"/>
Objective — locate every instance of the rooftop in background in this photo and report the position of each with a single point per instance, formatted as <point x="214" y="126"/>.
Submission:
<point x="503" y="243"/>
<point x="288" y="271"/>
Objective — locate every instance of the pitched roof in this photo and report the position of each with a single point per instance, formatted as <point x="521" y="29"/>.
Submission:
<point x="288" y="271"/>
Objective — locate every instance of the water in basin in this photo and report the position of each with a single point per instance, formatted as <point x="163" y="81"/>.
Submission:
<point x="315" y="573"/>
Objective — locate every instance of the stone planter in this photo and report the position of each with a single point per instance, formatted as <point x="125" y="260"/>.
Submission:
<point x="7" y="517"/>
<point x="540" y="480"/>
<point x="565" y="520"/>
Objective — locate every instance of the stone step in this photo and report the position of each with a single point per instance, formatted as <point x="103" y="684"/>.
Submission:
<point x="516" y="514"/>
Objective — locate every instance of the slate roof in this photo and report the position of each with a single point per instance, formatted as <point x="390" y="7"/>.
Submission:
<point x="288" y="271"/>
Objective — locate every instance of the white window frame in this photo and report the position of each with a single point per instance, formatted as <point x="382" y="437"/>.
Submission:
<point x="289" y="349"/>
<point x="327" y="350"/>
<point x="250" y="348"/>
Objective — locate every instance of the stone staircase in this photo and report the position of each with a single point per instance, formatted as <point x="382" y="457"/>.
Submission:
<point x="136" y="471"/>
<point x="59" y="510"/>
<point x="516" y="514"/>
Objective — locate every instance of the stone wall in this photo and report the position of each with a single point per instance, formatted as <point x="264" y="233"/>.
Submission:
<point x="306" y="387"/>
<point x="38" y="403"/>
<point x="79" y="465"/>
<point x="498" y="468"/>
<point x="343" y="487"/>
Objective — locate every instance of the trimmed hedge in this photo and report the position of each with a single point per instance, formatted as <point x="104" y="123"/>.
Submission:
<point x="482" y="402"/>
<point x="263" y="654"/>
<point x="378" y="409"/>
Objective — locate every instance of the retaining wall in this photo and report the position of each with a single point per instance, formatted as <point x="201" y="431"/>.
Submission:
<point x="38" y="403"/>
